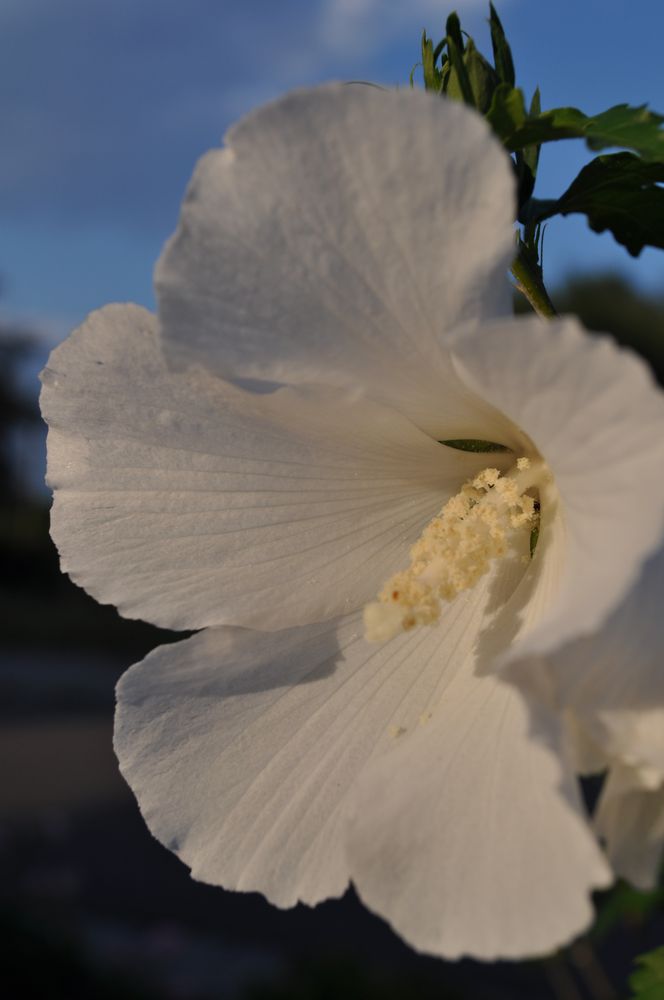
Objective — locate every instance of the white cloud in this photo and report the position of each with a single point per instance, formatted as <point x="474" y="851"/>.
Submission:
<point x="359" y="27"/>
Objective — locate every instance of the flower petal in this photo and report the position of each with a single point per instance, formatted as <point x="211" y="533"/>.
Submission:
<point x="339" y="236"/>
<point x="244" y="750"/>
<point x="469" y="838"/>
<point x="189" y="502"/>
<point x="612" y="682"/>
<point x="630" y="818"/>
<point x="597" y="418"/>
<point x="241" y="747"/>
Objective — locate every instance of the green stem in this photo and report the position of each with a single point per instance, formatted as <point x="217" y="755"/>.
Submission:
<point x="529" y="282"/>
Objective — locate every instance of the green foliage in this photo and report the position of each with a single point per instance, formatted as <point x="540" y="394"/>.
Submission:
<point x="458" y="76"/>
<point x="502" y="54"/>
<point x="618" y="192"/>
<point x="624" y="905"/>
<point x="647" y="983"/>
<point x="458" y="70"/>
<point x="534" y="538"/>
<point x="627" y="127"/>
<point x="453" y="32"/>
<point x="531" y="154"/>
<point x="479" y="79"/>
<point x="507" y="113"/>
<point x="433" y="78"/>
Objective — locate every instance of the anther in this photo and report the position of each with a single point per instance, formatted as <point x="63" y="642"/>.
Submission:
<point x="457" y="548"/>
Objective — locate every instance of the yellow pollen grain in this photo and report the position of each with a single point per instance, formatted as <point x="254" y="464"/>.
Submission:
<point x="455" y="550"/>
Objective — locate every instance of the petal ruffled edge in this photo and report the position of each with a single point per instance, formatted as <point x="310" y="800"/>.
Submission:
<point x="190" y="502"/>
<point x="340" y="237"/>
<point x="630" y="819"/>
<point x="595" y="415"/>
<point x="470" y="839"/>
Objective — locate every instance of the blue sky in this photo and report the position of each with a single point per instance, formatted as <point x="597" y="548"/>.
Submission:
<point x="107" y="104"/>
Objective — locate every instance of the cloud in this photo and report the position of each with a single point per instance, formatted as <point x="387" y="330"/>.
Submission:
<point x="360" y="27"/>
<point x="102" y="103"/>
<point x="106" y="107"/>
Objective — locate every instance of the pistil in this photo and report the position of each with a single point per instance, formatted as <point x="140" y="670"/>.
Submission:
<point x="475" y="527"/>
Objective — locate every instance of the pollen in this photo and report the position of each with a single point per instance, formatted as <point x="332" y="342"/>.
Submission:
<point x="477" y="526"/>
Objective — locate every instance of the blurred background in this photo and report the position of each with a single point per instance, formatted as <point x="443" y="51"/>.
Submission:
<point x="105" y="108"/>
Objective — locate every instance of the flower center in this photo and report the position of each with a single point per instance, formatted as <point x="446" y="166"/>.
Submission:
<point x="456" y="548"/>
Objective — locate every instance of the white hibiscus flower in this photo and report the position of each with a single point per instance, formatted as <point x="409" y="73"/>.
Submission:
<point x="257" y="463"/>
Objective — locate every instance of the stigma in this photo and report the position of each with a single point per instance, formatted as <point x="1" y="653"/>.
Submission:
<point x="476" y="527"/>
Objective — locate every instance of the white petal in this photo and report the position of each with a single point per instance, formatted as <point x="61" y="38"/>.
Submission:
<point x="631" y="820"/>
<point x="612" y="682"/>
<point x="339" y="236"/>
<point x="594" y="413"/>
<point x="587" y="756"/>
<point x="244" y="748"/>
<point x="241" y="747"/>
<point x="469" y="838"/>
<point x="189" y="502"/>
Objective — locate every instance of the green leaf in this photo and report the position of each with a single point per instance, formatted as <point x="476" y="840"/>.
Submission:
<point x="438" y="51"/>
<point x="473" y="444"/>
<point x="531" y="153"/>
<point x="534" y="538"/>
<point x="481" y="75"/>
<point x="433" y="79"/>
<point x="459" y="71"/>
<point x="622" y="904"/>
<point x="634" y="128"/>
<point x="527" y="160"/>
<point x="647" y="983"/>
<point x="507" y="113"/>
<point x="453" y="31"/>
<point x="502" y="54"/>
<point x="618" y="192"/>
